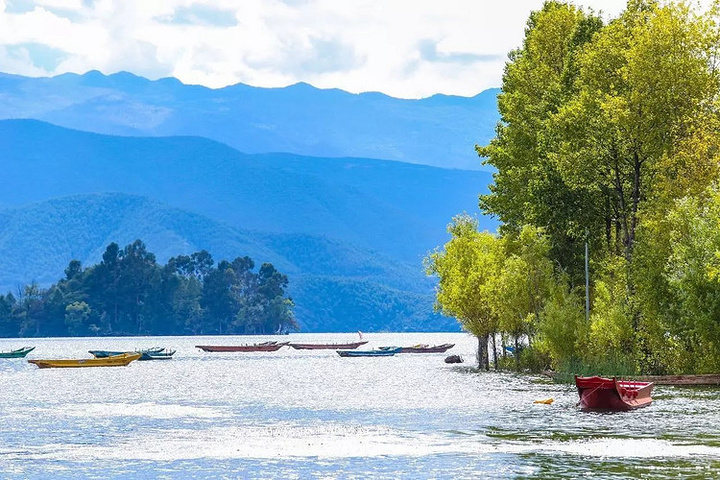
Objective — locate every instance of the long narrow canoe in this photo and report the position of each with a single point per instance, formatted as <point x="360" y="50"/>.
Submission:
<point x="155" y="353"/>
<point x="113" y="361"/>
<point x="327" y="346"/>
<point x="257" y="347"/>
<point x="428" y="348"/>
<point x="598" y="393"/>
<point x="19" y="353"/>
<point x="107" y="353"/>
<point x="424" y="348"/>
<point x="386" y="352"/>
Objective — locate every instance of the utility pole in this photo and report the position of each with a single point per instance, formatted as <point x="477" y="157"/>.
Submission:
<point x="587" y="280"/>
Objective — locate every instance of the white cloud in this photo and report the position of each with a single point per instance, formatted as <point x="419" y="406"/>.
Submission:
<point x="401" y="47"/>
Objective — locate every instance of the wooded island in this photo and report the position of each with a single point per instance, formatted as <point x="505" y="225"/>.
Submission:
<point x="129" y="293"/>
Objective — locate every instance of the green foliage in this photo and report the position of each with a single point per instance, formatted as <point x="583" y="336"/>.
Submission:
<point x="76" y="315"/>
<point x="563" y="333"/>
<point x="494" y="285"/>
<point x="610" y="134"/>
<point x="528" y="188"/>
<point x="467" y="268"/>
<point x="692" y="273"/>
<point x="607" y="366"/>
<point x="611" y="325"/>
<point x="533" y="359"/>
<point x="523" y="282"/>
<point x="128" y="293"/>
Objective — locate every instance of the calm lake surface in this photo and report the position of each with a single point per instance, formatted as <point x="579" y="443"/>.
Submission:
<point x="312" y="414"/>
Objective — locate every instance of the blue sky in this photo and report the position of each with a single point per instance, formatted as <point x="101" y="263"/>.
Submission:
<point x="408" y="49"/>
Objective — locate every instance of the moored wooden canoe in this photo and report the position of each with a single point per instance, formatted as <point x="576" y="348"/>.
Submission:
<point x="428" y="348"/>
<point x="425" y="348"/>
<point x="107" y="353"/>
<point x="112" y="361"/>
<point x="19" y="353"/>
<point x="257" y="347"/>
<point x="387" y="352"/>
<point x="598" y="393"/>
<point x="155" y="353"/>
<point x="327" y="346"/>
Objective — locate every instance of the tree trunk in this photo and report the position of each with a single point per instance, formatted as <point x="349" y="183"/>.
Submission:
<point x="482" y="353"/>
<point x="608" y="223"/>
<point x="637" y="165"/>
<point x="495" y="352"/>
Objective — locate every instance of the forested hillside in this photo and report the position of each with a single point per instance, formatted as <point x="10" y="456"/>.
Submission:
<point x="395" y="208"/>
<point x="335" y="286"/>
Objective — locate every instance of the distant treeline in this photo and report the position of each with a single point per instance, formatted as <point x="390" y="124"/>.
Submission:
<point x="129" y="293"/>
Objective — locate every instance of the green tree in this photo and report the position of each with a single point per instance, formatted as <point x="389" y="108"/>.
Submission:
<point x="29" y="310"/>
<point x="642" y="86"/>
<point x="76" y="316"/>
<point x="562" y="331"/>
<point x="128" y="292"/>
<point x="138" y="272"/>
<point x="523" y="284"/>
<point x="8" y="327"/>
<point x="467" y="268"/>
<point x="603" y="128"/>
<point x="528" y="189"/>
<point x="693" y="272"/>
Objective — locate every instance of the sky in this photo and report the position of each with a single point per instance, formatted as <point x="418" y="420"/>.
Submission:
<point x="404" y="48"/>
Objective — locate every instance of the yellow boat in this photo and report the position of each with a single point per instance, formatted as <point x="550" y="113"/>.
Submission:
<point x="113" y="361"/>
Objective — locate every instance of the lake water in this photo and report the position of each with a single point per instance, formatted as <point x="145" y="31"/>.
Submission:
<point x="312" y="414"/>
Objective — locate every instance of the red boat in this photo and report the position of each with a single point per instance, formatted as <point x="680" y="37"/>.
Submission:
<point x="258" y="347"/>
<point x="598" y="393"/>
<point x="327" y="346"/>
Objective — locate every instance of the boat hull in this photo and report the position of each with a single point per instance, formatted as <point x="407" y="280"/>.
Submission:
<point x="105" y="353"/>
<point x="327" y="346"/>
<point x="242" y="348"/>
<point x="598" y="393"/>
<point x="113" y="361"/>
<point x="369" y="353"/>
<point x="433" y="349"/>
<point x="425" y="348"/>
<point x="156" y="355"/>
<point x="148" y="354"/>
<point x="19" y="353"/>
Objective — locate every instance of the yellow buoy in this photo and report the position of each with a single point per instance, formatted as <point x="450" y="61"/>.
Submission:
<point x="547" y="401"/>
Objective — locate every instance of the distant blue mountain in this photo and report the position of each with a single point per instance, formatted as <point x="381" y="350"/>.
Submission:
<point x="440" y="130"/>
<point x="395" y="208"/>
<point x="349" y="232"/>
<point x="336" y="286"/>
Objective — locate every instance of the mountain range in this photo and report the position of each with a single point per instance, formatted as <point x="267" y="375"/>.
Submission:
<point x="349" y="232"/>
<point x="440" y="130"/>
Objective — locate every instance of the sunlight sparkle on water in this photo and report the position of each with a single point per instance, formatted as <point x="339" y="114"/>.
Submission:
<point x="300" y="414"/>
